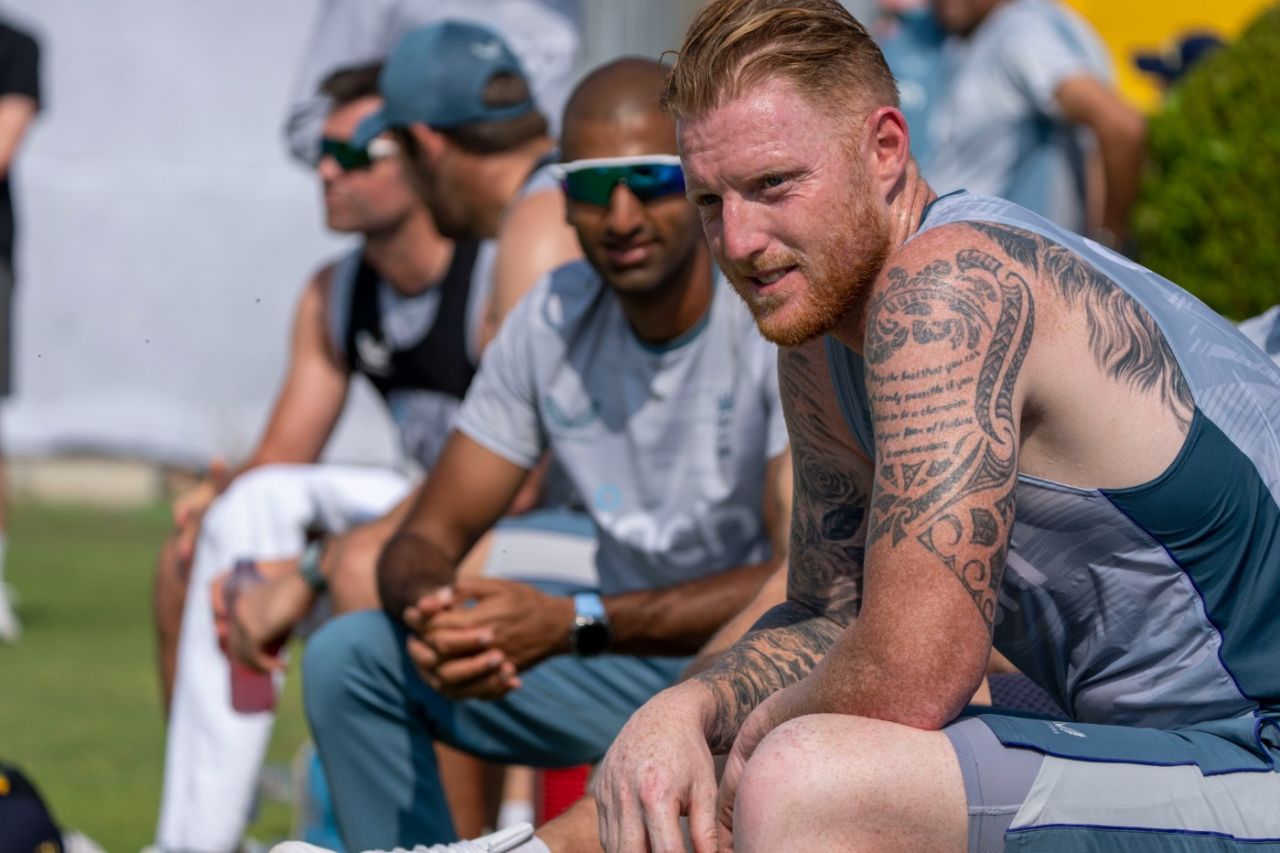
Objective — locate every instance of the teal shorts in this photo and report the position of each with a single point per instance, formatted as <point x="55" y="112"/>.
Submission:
<point x="1035" y="785"/>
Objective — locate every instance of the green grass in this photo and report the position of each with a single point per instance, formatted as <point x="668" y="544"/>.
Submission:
<point x="79" y="696"/>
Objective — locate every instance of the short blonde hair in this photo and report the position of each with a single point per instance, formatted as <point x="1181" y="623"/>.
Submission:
<point x="815" y="44"/>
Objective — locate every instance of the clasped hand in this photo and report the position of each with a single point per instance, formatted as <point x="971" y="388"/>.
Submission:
<point x="471" y="640"/>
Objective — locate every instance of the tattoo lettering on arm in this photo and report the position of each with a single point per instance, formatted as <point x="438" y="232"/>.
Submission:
<point x="944" y="348"/>
<point x="828" y="540"/>
<point x="1124" y="340"/>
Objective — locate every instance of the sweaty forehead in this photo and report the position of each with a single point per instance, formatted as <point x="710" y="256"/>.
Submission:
<point x="770" y="125"/>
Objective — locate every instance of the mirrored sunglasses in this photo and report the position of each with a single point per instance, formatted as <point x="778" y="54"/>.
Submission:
<point x="350" y="158"/>
<point x="649" y="177"/>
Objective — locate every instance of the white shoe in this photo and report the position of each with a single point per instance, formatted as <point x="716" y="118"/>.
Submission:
<point x="78" y="842"/>
<point x="10" y="629"/>
<point x="497" y="842"/>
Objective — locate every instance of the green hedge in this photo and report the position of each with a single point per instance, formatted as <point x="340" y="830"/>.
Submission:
<point x="1208" y="213"/>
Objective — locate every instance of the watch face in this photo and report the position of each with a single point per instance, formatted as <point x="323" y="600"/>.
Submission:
<point x="591" y="638"/>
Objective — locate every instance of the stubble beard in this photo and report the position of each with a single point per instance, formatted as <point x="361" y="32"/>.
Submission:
<point x="837" y="273"/>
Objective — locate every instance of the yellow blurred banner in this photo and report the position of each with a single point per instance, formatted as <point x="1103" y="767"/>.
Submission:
<point x="1134" y="27"/>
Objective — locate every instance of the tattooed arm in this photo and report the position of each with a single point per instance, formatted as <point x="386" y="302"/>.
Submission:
<point x="827" y="536"/>
<point x="948" y="330"/>
<point x="659" y="765"/>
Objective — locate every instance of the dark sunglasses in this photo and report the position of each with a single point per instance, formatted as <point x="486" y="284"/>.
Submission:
<point x="350" y="158"/>
<point x="648" y="177"/>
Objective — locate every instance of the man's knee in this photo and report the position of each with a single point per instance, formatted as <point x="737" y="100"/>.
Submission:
<point x="804" y="766"/>
<point x="857" y="778"/>
<point x="170" y="588"/>
<point x="344" y="661"/>
<point x="351" y="562"/>
<point x="784" y="769"/>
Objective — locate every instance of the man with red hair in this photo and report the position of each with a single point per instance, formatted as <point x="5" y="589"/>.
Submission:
<point x="999" y="429"/>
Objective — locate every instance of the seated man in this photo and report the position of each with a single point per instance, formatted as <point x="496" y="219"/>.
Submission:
<point x="999" y="427"/>
<point x="1027" y="109"/>
<point x="407" y="310"/>
<point x="643" y="375"/>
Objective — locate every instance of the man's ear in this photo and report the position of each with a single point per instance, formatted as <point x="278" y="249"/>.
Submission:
<point x="431" y="142"/>
<point x="890" y="147"/>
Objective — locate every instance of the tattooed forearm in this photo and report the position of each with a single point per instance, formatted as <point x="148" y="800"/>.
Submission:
<point x="829" y="506"/>
<point x="949" y="436"/>
<point x="828" y="538"/>
<point x="1123" y="338"/>
<point x="783" y="647"/>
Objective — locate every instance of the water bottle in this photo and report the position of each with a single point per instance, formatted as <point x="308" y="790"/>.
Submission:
<point x="251" y="691"/>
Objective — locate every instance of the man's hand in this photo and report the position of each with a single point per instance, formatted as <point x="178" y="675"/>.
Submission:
<point x="476" y="651"/>
<point x="189" y="508"/>
<point x="462" y="664"/>
<point x="659" y="768"/>
<point x="526" y="624"/>
<point x="264" y="615"/>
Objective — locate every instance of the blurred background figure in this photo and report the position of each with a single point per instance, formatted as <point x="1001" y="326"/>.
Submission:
<point x="19" y="101"/>
<point x="403" y="310"/>
<point x="1026" y="99"/>
<point x="911" y="40"/>
<point x="545" y="35"/>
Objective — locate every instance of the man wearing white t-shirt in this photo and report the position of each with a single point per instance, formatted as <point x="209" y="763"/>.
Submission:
<point x="1027" y="111"/>
<point x="644" y="376"/>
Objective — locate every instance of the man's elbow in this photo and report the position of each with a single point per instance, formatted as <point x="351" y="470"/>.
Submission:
<point x="1128" y="131"/>
<point x="933" y="714"/>
<point x="939" y="699"/>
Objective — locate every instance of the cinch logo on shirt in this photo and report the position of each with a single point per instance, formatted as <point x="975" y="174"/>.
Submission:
<point x="687" y="540"/>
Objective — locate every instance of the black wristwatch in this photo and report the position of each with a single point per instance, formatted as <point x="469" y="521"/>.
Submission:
<point x="591" y="634"/>
<point x="309" y="565"/>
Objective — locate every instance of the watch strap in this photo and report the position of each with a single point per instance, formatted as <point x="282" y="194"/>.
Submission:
<point x="309" y="565"/>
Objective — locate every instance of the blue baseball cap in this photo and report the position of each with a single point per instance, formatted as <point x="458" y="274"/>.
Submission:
<point x="437" y="75"/>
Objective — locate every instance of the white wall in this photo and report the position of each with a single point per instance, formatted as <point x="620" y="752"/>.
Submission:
<point x="164" y="232"/>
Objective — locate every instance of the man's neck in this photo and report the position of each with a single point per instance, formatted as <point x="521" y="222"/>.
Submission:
<point x="412" y="256"/>
<point x="679" y="304"/>
<point x="907" y="205"/>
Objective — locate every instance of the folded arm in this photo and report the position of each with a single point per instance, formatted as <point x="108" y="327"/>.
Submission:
<point x="949" y="330"/>
<point x="827" y="536"/>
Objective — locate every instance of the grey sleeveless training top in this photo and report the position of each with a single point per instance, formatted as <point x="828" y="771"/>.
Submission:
<point x="1156" y="605"/>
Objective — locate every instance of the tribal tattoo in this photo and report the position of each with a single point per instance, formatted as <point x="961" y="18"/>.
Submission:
<point x="1124" y="340"/>
<point x="947" y="454"/>
<point x="828" y="539"/>
<point x="943" y="351"/>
